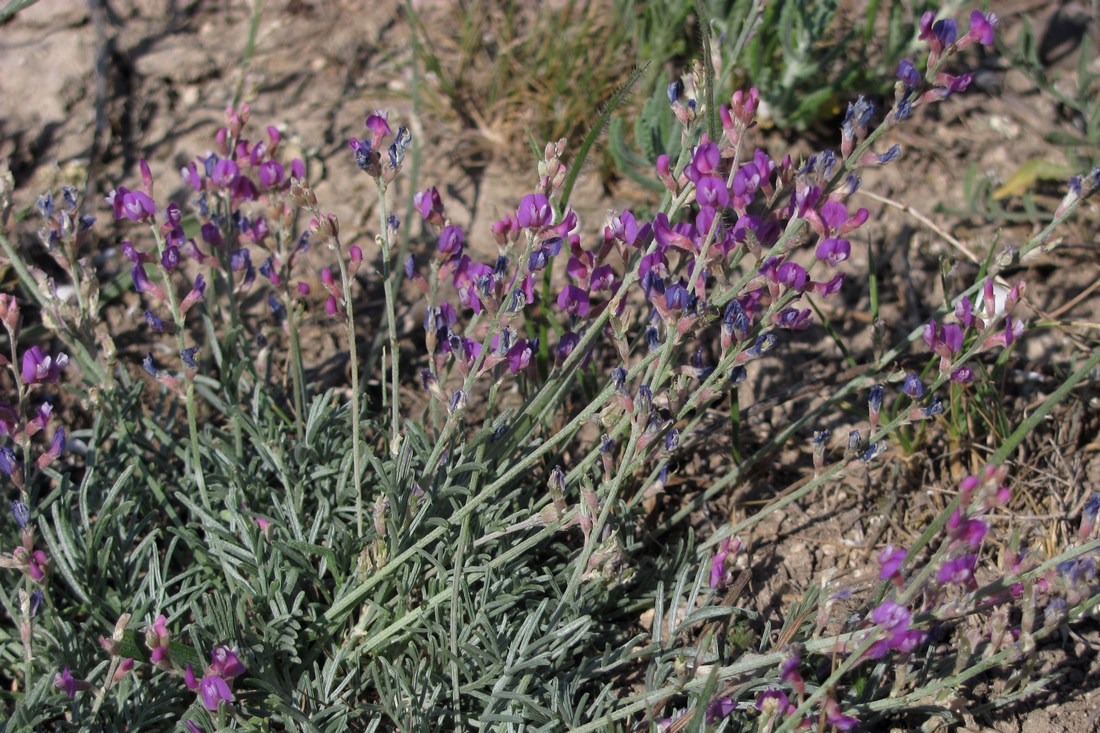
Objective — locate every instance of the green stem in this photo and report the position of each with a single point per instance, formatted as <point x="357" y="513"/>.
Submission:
<point x="179" y="318"/>
<point x="391" y="319"/>
<point x="353" y="352"/>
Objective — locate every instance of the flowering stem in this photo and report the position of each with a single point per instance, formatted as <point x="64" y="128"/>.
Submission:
<point x="353" y="353"/>
<point x="189" y="380"/>
<point x="391" y="320"/>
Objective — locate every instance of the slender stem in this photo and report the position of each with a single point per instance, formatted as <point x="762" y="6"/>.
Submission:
<point x="391" y="319"/>
<point x="180" y="320"/>
<point x="353" y="353"/>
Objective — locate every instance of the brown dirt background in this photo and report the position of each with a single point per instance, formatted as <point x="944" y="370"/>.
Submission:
<point x="93" y="92"/>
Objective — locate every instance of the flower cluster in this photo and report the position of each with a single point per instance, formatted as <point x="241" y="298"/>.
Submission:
<point x="947" y="340"/>
<point x="240" y="191"/>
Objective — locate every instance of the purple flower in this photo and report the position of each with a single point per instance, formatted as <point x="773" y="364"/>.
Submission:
<point x="792" y="275"/>
<point x="566" y="344"/>
<point x="364" y="156"/>
<point x="981" y="29"/>
<point x="197" y="293"/>
<point x="908" y="74"/>
<point x="945" y="340"/>
<point x="67" y="683"/>
<point x="970" y="531"/>
<point x="534" y="211"/>
<point x="962" y="375"/>
<point x="271" y="174"/>
<point x="833" y="251"/>
<point x="21" y="513"/>
<point x="429" y="204"/>
<point x="573" y="299"/>
<point x="211" y="234"/>
<point x="789" y="673"/>
<point x="719" y="708"/>
<point x="891" y="616"/>
<point x="718" y="563"/>
<point x="890" y="561"/>
<point x="213" y="690"/>
<point x="132" y="205"/>
<point x="379" y="127"/>
<point x="224" y="662"/>
<point x="913" y="386"/>
<point x="957" y="571"/>
<point x="40" y="368"/>
<point x="451" y="240"/>
<point x="193" y="727"/>
<point x="704" y="161"/>
<point x="519" y="356"/>
<point x="835" y="718"/>
<point x="711" y="192"/>
<point x="8" y="460"/>
<point x="170" y="260"/>
<point x="773" y="701"/>
<point x="946" y="31"/>
<point x="225" y="173"/>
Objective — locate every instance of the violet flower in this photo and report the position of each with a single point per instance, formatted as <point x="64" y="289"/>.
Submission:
<point x="225" y="663"/>
<point x="534" y="212"/>
<point x="40" y="368"/>
<point x="958" y="571"/>
<point x="890" y="561"/>
<point x="833" y="251"/>
<point x="719" y="708"/>
<point x="772" y="702"/>
<point x="132" y="205"/>
<point x="574" y="300"/>
<point x="451" y="240"/>
<point x="225" y="173"/>
<point x="68" y="684"/>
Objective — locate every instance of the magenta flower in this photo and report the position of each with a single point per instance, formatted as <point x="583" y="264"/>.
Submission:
<point x="981" y="29"/>
<point x="890" y="561"/>
<point x="213" y="690"/>
<point x="891" y="616"/>
<point x="157" y="639"/>
<point x="35" y="564"/>
<point x="132" y="205"/>
<point x="970" y="531"/>
<point x="40" y="368"/>
<point x="721" y="560"/>
<point x="379" y="128"/>
<point x="534" y="212"/>
<point x="224" y="662"/>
